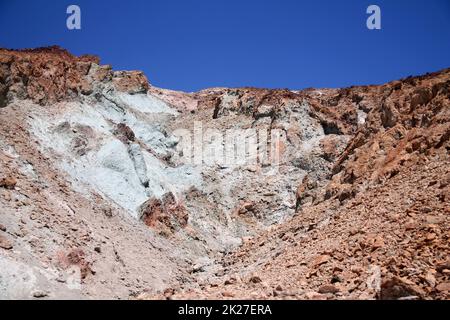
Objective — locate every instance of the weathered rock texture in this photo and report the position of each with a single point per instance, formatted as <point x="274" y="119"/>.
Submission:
<point x="377" y="225"/>
<point x="99" y="200"/>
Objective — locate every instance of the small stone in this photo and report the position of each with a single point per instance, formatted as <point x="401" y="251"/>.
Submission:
<point x="246" y="207"/>
<point x="246" y="239"/>
<point x="443" y="287"/>
<point x="426" y="209"/>
<point x="357" y="269"/>
<point x="107" y="212"/>
<point x="255" y="279"/>
<point x="6" y="196"/>
<point x="395" y="288"/>
<point x="431" y="237"/>
<point x="2" y="228"/>
<point x="230" y="281"/>
<point x="228" y="294"/>
<point x="443" y="266"/>
<point x="214" y="282"/>
<point x="320" y="260"/>
<point x="315" y="296"/>
<point x="168" y="293"/>
<point x="377" y="243"/>
<point x="40" y="294"/>
<point x="430" y="279"/>
<point x="411" y="225"/>
<point x="5" y="243"/>
<point x="328" y="288"/>
<point x="337" y="269"/>
<point x="433" y="220"/>
<point x="8" y="183"/>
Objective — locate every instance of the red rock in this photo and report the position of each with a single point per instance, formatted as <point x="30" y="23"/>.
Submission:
<point x="228" y="294"/>
<point x="8" y="183"/>
<point x="5" y="243"/>
<point x="316" y="296"/>
<point x="131" y="82"/>
<point x="378" y="242"/>
<point x="255" y="279"/>
<point x="246" y="207"/>
<point x="328" y="288"/>
<point x="443" y="287"/>
<point x="445" y="265"/>
<point x="166" y="215"/>
<point x="430" y="278"/>
<point x="75" y="257"/>
<point x="431" y="237"/>
<point x="322" y="259"/>
<point x="396" y="288"/>
<point x="168" y="293"/>
<point x="124" y="133"/>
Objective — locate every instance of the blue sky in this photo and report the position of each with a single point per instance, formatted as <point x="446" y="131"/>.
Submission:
<point x="194" y="44"/>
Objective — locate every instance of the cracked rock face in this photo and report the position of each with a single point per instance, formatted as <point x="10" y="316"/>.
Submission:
<point x="113" y="188"/>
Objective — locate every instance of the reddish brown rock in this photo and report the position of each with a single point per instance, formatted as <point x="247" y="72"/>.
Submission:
<point x="255" y="279"/>
<point x="316" y="296"/>
<point x="328" y="288"/>
<point x="322" y="259"/>
<point x="397" y="128"/>
<point x="124" y="133"/>
<point x="5" y="243"/>
<point x="246" y="207"/>
<point x="166" y="215"/>
<point x="24" y="77"/>
<point x="396" y="288"/>
<point x="75" y="257"/>
<point x="131" y="82"/>
<point x="443" y="287"/>
<point x="228" y="294"/>
<point x="8" y="183"/>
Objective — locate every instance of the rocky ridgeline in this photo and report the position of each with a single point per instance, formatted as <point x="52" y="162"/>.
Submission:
<point x="50" y="75"/>
<point x="92" y="165"/>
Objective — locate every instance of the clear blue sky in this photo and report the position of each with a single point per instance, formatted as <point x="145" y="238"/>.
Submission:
<point x="193" y="44"/>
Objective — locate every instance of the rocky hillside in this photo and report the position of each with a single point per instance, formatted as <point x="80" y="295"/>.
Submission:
<point x="113" y="188"/>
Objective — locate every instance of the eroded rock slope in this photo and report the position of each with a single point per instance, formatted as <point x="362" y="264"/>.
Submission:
<point x="113" y="188"/>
